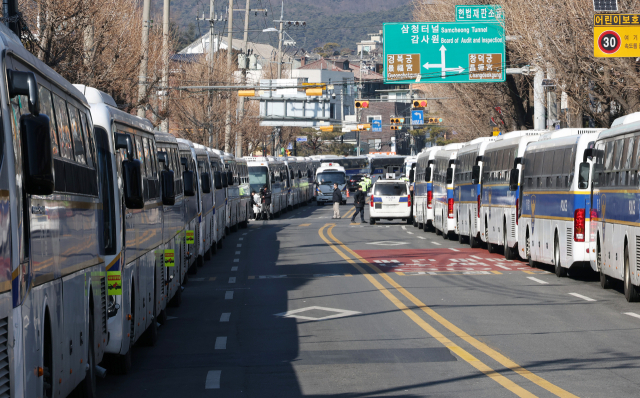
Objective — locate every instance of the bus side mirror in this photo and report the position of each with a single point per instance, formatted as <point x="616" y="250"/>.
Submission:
<point x="37" y="155"/>
<point x="217" y="179"/>
<point x="189" y="183"/>
<point x="162" y="158"/>
<point x="588" y="153"/>
<point x="24" y="83"/>
<point x="183" y="161"/>
<point x="427" y="174"/>
<point x="123" y="141"/>
<point x="205" y="182"/>
<point x="168" y="187"/>
<point x="225" y="182"/>
<point x="132" y="179"/>
<point x="583" y="175"/>
<point x="230" y="178"/>
<point x="411" y="175"/>
<point x="514" y="179"/>
<point x="475" y="174"/>
<point x="450" y="175"/>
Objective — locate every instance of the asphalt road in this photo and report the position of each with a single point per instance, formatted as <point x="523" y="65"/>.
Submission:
<point x="304" y="305"/>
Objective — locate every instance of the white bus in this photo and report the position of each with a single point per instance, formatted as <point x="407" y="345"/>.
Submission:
<point x="423" y="188"/>
<point x="555" y="199"/>
<point x="191" y="204"/>
<point x="498" y="204"/>
<point x="327" y="175"/>
<point x="444" y="166"/>
<point x="206" y="194"/>
<point x="53" y="284"/>
<point x="263" y="171"/>
<point x="467" y="189"/>
<point x="383" y="165"/>
<point x="136" y="274"/>
<point x="615" y="215"/>
<point x="220" y="197"/>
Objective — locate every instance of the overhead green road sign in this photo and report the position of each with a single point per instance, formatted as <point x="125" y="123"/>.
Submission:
<point x="487" y="13"/>
<point x="444" y="52"/>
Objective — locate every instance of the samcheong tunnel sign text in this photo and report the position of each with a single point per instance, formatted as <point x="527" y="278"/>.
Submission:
<point x="444" y="52"/>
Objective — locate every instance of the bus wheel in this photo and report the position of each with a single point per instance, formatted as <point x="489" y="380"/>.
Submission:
<point x="425" y="226"/>
<point x="421" y="226"/>
<point x="177" y="298"/>
<point x="214" y="247"/>
<point x="207" y="254"/>
<point x="200" y="261"/>
<point x="122" y="363"/>
<point x="473" y="242"/>
<point x="508" y="253"/>
<point x="490" y="247"/>
<point x="219" y="244"/>
<point x="372" y="221"/>
<point x="560" y="270"/>
<point x="532" y="264"/>
<point x="89" y="389"/>
<point x="150" y="336"/>
<point x="630" y="291"/>
<point x="605" y="282"/>
<point x="193" y="269"/>
<point x="415" y="222"/>
<point x="47" y="360"/>
<point x="162" y="317"/>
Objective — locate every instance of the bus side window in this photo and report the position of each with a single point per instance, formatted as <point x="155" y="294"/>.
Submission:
<point x="64" y="131"/>
<point x="88" y="139"/>
<point x="47" y="108"/>
<point x="76" y="133"/>
<point x="140" y="151"/>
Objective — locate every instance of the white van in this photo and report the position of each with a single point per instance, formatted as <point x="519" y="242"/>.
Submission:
<point x="390" y="199"/>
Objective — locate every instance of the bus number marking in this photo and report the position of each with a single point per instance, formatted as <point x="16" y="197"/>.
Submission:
<point x="563" y="205"/>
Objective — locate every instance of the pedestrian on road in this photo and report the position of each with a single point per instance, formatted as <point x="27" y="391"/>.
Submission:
<point x="265" y="196"/>
<point x="359" y="200"/>
<point x="337" y="199"/>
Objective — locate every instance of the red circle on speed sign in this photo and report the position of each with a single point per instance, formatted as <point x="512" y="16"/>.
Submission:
<point x="609" y="42"/>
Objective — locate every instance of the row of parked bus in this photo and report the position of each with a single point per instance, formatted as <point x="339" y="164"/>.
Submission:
<point x="102" y="221"/>
<point x="568" y="198"/>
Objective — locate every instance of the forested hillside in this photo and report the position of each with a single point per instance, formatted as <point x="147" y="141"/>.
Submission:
<point x="341" y="21"/>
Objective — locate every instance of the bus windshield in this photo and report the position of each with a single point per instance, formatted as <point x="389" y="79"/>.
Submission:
<point x="331" y="177"/>
<point x="257" y="178"/>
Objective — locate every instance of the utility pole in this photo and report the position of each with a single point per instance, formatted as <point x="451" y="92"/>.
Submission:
<point x="538" y="100"/>
<point x="227" y="127"/>
<point x="164" y="125"/>
<point x="142" y="79"/>
<point x="280" y="41"/>
<point x="241" y="100"/>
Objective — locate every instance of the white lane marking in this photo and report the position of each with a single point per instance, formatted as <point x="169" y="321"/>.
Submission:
<point x="171" y="317"/>
<point x="240" y="238"/>
<point x="244" y="234"/>
<point x="502" y="266"/>
<point x="455" y="250"/>
<point x="239" y="245"/>
<point x="436" y="243"/>
<point x="421" y="237"/>
<point x="410" y="233"/>
<point x="234" y="268"/>
<point x="582" y="297"/>
<point x="224" y="317"/>
<point x="232" y="279"/>
<point x="237" y="252"/>
<point x="228" y="295"/>
<point x="213" y="380"/>
<point x="236" y="260"/>
<point x="404" y="227"/>
<point x="221" y="343"/>
<point x="479" y="258"/>
<point x="633" y="314"/>
<point x="540" y="281"/>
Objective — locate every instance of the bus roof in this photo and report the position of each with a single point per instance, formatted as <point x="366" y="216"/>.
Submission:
<point x="568" y="132"/>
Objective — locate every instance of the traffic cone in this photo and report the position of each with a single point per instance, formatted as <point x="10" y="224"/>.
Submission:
<point x="347" y="192"/>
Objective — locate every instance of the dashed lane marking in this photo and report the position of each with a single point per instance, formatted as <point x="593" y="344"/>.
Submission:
<point x="213" y="278"/>
<point x="232" y="279"/>
<point x="410" y="233"/>
<point x="540" y="281"/>
<point x="239" y="245"/>
<point x="236" y="260"/>
<point x="224" y="317"/>
<point x="435" y="243"/>
<point x="295" y="276"/>
<point x="234" y="268"/>
<point x="240" y="238"/>
<point x="244" y="234"/>
<point x="421" y="237"/>
<point x="213" y="380"/>
<point x="237" y="252"/>
<point x="404" y="227"/>
<point x="221" y="343"/>
<point x="228" y="295"/>
<point x="633" y="314"/>
<point x="304" y="225"/>
<point x="582" y="297"/>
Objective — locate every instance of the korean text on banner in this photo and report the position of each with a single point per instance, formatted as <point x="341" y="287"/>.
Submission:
<point x="114" y="283"/>
<point x="190" y="238"/>
<point x="169" y="258"/>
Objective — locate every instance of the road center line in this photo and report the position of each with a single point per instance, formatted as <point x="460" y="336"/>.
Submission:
<point x="582" y="297"/>
<point x="221" y="343"/>
<point x="497" y="356"/>
<point x="213" y="380"/>
<point x="540" y="281"/>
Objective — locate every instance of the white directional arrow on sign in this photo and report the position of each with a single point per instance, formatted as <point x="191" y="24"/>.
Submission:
<point x="442" y="64"/>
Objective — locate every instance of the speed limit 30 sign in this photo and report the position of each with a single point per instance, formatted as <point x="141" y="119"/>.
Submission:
<point x="616" y="35"/>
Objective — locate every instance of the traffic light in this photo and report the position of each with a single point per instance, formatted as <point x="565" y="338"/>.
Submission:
<point x="433" y="120"/>
<point x="397" y="120"/>
<point x="362" y="104"/>
<point x="419" y="104"/>
<point x="396" y="127"/>
<point x="288" y="152"/>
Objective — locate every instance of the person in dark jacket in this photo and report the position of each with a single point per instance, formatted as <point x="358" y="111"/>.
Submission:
<point x="265" y="196"/>
<point x="337" y="199"/>
<point x="359" y="199"/>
